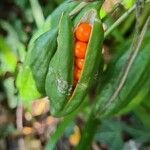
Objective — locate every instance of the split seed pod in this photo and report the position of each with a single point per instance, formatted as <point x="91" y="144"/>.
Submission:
<point x="31" y="77"/>
<point x="59" y="81"/>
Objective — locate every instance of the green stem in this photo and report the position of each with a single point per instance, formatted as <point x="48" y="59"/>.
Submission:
<point x="77" y="9"/>
<point x="62" y="126"/>
<point x="121" y="19"/>
<point x="37" y="13"/>
<point x="59" y="132"/>
<point x="88" y="133"/>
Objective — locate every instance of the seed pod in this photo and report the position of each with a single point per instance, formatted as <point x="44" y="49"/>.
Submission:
<point x="63" y="98"/>
<point x="28" y="79"/>
<point x="59" y="79"/>
<point x="45" y="46"/>
<point x="76" y="21"/>
<point x="96" y="5"/>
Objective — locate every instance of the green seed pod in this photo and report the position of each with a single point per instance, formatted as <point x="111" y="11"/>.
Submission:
<point x="59" y="79"/>
<point x="93" y="5"/>
<point x="28" y="80"/>
<point x="76" y="21"/>
<point x="58" y="82"/>
<point x="44" y="48"/>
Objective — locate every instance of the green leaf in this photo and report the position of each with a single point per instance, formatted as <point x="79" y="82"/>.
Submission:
<point x="122" y="78"/>
<point x="6" y="129"/>
<point x="143" y="114"/>
<point x="14" y="36"/>
<point x="110" y="133"/>
<point x="26" y="86"/>
<point x="8" y="58"/>
<point x="136" y="128"/>
<point x="128" y="3"/>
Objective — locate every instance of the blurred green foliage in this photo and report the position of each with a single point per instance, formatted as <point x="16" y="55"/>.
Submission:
<point x="18" y="22"/>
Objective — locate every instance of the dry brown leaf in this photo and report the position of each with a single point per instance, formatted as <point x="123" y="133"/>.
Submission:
<point x="109" y="4"/>
<point x="40" y="106"/>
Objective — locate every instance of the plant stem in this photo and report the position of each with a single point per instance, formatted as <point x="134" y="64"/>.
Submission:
<point x="19" y="124"/>
<point x="37" y="13"/>
<point x="88" y="133"/>
<point x="62" y="126"/>
<point x="121" y="19"/>
<point x="77" y="9"/>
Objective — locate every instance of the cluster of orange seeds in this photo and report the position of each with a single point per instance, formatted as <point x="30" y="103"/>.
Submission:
<point x="82" y="35"/>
